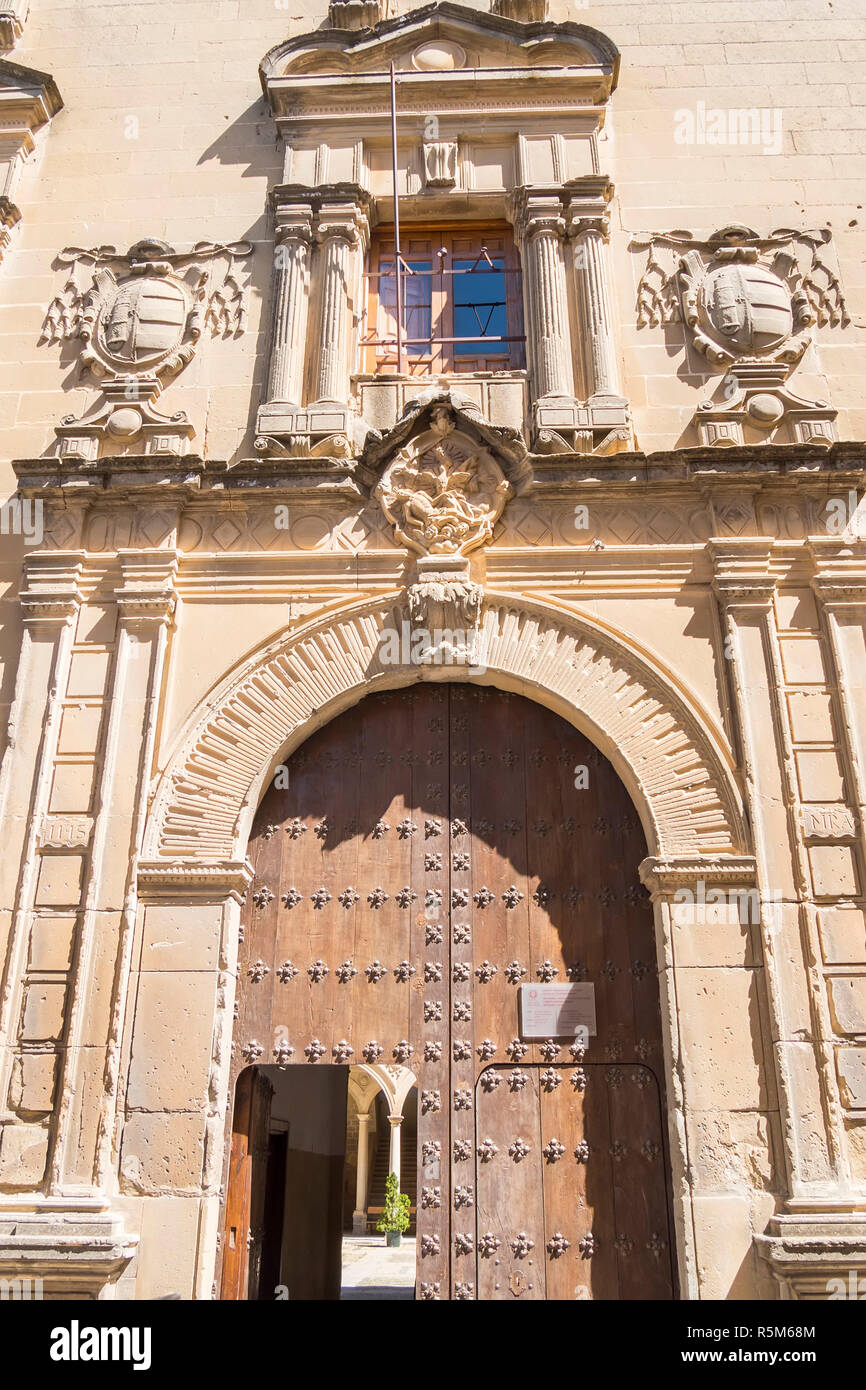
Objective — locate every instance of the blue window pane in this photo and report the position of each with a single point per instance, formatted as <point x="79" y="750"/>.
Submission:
<point x="479" y="307"/>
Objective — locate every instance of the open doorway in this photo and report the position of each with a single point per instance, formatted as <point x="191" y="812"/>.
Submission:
<point x="311" y="1151"/>
<point x="381" y="1138"/>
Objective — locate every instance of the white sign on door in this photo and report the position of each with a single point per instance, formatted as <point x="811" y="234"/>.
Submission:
<point x="557" y="1011"/>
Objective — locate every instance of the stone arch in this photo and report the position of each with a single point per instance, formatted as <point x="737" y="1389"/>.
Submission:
<point x="665" y="747"/>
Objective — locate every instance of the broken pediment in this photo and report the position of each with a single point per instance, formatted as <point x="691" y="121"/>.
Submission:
<point x="439" y="41"/>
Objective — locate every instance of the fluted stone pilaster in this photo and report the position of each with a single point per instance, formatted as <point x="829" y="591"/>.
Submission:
<point x="291" y="297"/>
<point x="589" y="237"/>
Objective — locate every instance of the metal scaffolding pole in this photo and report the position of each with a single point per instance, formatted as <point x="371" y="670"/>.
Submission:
<point x="397" y="255"/>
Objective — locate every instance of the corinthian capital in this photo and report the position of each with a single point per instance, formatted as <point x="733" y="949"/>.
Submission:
<point x="538" y="212"/>
<point x="344" y="214"/>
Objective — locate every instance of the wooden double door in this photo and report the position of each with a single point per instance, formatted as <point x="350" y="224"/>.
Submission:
<point x="436" y="848"/>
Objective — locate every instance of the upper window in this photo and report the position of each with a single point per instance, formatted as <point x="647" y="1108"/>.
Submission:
<point x="462" y="302"/>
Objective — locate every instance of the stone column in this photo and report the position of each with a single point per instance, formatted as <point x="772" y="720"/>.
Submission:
<point x="285" y="383"/>
<point x="395" y="1121"/>
<point x="342" y="234"/>
<point x="359" y="1215"/>
<point x="541" y="230"/>
<point x="588" y="227"/>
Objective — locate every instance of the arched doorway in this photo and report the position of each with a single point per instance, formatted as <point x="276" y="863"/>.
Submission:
<point x="421" y="859"/>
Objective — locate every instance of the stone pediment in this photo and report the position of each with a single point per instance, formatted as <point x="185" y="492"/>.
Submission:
<point x="442" y="41"/>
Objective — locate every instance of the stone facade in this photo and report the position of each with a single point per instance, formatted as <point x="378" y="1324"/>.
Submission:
<point x="662" y="538"/>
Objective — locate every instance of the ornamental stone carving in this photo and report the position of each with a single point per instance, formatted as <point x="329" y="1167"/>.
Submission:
<point x="751" y="304"/>
<point x="140" y="320"/>
<point x="443" y="492"/>
<point x="440" y="163"/>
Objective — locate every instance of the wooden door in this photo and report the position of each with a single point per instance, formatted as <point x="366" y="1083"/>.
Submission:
<point x="248" y="1175"/>
<point x="436" y="848"/>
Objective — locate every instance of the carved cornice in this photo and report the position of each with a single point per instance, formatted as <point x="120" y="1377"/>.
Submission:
<point x="201" y="880"/>
<point x="840" y="570"/>
<point x="663" y="876"/>
<point x="147" y="594"/>
<point x="51" y="594"/>
<point x="741" y="571"/>
<point x="28" y="98"/>
<point x="119" y="478"/>
<point x="806" y="1251"/>
<point x="69" y="1244"/>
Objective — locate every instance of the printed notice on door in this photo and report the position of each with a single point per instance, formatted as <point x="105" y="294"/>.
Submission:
<point x="557" y="1011"/>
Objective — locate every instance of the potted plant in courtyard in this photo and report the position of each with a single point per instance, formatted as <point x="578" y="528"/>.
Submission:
<point x="395" y="1214"/>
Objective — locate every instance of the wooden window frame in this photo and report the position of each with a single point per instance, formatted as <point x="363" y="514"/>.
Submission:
<point x="378" y="357"/>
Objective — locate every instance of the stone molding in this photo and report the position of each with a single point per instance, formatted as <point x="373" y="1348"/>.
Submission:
<point x="51" y="593"/>
<point x="741" y="573"/>
<point x="74" y="1246"/>
<point x="183" y="880"/>
<point x="667" y="750"/>
<point x="13" y="15"/>
<point x="663" y="876"/>
<point x="28" y="101"/>
<point x="147" y="594"/>
<point x="807" y="1251"/>
<point x="839" y="580"/>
